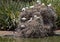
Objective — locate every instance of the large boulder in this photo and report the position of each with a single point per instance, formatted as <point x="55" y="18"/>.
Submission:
<point x="37" y="21"/>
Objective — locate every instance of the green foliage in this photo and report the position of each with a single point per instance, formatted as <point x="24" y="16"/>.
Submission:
<point x="9" y="12"/>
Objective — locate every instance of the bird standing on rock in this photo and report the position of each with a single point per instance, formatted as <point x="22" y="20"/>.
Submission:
<point x="23" y="18"/>
<point x="26" y="7"/>
<point x="31" y="6"/>
<point x="38" y="2"/>
<point x="23" y="9"/>
<point x="43" y="4"/>
<point x="49" y="4"/>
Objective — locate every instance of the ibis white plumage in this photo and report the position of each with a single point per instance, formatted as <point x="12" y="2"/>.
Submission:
<point x="35" y="16"/>
<point x="22" y="25"/>
<point x="30" y="20"/>
<point x="38" y="1"/>
<point x="26" y="7"/>
<point x="49" y="4"/>
<point x="23" y="9"/>
<point x="31" y="6"/>
<point x="43" y="4"/>
<point x="23" y="18"/>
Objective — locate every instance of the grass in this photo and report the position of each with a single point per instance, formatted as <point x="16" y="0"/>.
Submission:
<point x="9" y="12"/>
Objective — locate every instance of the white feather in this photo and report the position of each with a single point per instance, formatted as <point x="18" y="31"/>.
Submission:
<point x="39" y="2"/>
<point x="49" y="5"/>
<point x="23" y="9"/>
<point x="30" y="20"/>
<point x="26" y="7"/>
<point x="43" y="4"/>
<point x="31" y="6"/>
<point x="22" y="25"/>
<point x="35" y="16"/>
<point x="23" y="18"/>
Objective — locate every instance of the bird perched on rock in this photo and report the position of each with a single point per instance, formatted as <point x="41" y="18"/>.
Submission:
<point x="23" y="9"/>
<point x="38" y="2"/>
<point x="49" y="4"/>
<point x="23" y="18"/>
<point x="31" y="6"/>
<point x="43" y="4"/>
<point x="26" y="7"/>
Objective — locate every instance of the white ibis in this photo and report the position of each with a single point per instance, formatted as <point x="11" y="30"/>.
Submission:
<point x="49" y="4"/>
<point x="31" y="6"/>
<point x="26" y="7"/>
<point x="23" y="9"/>
<point x="43" y="4"/>
<point x="38" y="1"/>
<point x="30" y="20"/>
<point x="36" y="16"/>
<point x="23" y="18"/>
<point x="22" y="25"/>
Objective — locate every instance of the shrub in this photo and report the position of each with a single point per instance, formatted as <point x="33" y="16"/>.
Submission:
<point x="9" y="11"/>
